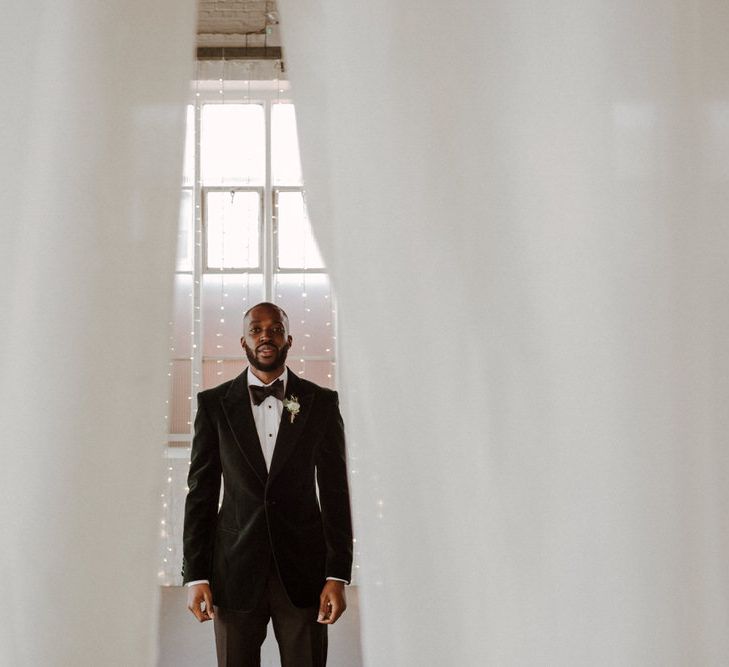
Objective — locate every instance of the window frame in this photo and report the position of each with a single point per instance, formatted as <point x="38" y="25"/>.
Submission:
<point x="204" y="191"/>
<point x="274" y="223"/>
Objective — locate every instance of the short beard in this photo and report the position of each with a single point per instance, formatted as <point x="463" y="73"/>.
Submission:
<point x="272" y="365"/>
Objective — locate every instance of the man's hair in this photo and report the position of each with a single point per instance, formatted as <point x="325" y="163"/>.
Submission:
<point x="267" y="304"/>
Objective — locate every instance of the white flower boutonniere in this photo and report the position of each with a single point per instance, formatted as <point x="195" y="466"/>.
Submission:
<point x="293" y="406"/>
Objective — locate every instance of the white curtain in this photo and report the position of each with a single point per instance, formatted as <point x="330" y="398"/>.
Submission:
<point x="91" y="134"/>
<point x="524" y="209"/>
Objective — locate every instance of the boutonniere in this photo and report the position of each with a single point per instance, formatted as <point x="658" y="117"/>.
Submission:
<point x="293" y="406"/>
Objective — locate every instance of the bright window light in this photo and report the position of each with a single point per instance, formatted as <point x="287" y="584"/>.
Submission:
<point x="233" y="144"/>
<point x="233" y="229"/>
<point x="285" y="160"/>
<point x="297" y="248"/>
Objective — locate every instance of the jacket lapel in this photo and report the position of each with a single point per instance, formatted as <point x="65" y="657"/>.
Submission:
<point x="237" y="408"/>
<point x="288" y="430"/>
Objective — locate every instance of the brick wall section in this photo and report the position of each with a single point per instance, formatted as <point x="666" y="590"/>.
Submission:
<point x="234" y="16"/>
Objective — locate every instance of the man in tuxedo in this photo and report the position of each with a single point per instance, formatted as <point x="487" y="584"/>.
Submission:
<point x="274" y="549"/>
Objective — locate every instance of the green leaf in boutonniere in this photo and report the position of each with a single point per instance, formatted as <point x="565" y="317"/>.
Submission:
<point x="292" y="405"/>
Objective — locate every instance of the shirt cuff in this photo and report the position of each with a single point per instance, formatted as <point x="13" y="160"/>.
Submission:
<point x="197" y="581"/>
<point x="205" y="581"/>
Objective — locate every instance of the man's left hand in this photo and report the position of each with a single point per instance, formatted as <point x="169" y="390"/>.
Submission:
<point x="332" y="602"/>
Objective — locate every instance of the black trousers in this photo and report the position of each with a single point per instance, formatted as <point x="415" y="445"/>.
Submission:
<point x="302" y="642"/>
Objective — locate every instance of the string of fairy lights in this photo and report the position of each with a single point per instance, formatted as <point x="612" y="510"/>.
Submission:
<point x="220" y="293"/>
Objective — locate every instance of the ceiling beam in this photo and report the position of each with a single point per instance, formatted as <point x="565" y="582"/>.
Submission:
<point x="239" y="53"/>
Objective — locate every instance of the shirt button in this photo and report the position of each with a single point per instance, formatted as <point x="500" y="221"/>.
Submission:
<point x="270" y="435"/>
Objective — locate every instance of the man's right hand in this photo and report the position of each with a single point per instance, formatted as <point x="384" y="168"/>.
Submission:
<point x="200" y="601"/>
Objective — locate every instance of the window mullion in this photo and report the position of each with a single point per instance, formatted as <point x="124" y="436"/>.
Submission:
<point x="268" y="214"/>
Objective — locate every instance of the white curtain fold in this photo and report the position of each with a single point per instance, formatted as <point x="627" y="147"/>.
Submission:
<point x="523" y="207"/>
<point x="92" y="135"/>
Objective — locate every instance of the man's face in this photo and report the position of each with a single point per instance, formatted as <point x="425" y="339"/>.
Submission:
<point x="266" y="339"/>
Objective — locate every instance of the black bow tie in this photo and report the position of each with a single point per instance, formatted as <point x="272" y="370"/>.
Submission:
<point x="260" y="394"/>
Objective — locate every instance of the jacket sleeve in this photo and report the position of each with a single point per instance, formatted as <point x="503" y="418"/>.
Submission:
<point x="201" y="504"/>
<point x="331" y="470"/>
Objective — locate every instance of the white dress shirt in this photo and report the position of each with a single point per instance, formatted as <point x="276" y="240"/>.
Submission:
<point x="267" y="417"/>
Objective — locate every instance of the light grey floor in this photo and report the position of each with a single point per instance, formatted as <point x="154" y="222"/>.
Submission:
<point x="184" y="642"/>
